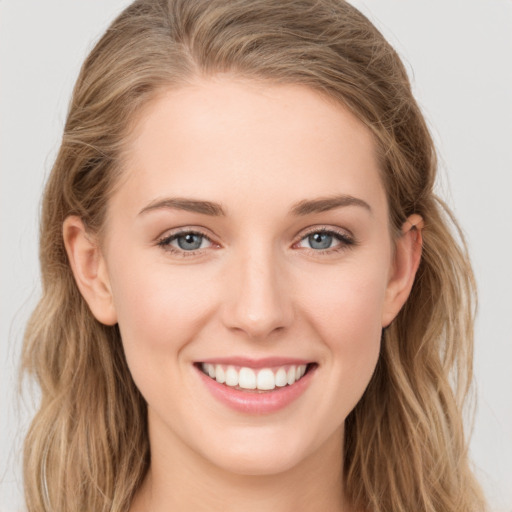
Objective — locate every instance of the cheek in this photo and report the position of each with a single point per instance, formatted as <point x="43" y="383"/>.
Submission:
<point x="347" y="301"/>
<point x="346" y="313"/>
<point x="159" y="310"/>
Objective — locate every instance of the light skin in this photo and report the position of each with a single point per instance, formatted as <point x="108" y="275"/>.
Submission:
<point x="265" y="281"/>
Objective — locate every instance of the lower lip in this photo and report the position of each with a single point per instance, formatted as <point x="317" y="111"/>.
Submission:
<point x="252" y="402"/>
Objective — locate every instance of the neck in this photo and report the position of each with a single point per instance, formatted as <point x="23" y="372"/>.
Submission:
<point x="182" y="480"/>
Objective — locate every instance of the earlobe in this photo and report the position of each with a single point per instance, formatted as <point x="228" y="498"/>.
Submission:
<point x="405" y="265"/>
<point x="89" y="269"/>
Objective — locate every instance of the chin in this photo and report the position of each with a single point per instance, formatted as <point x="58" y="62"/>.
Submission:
<point x="257" y="462"/>
<point x="268" y="452"/>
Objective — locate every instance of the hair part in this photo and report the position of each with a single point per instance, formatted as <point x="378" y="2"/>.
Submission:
<point x="405" y="449"/>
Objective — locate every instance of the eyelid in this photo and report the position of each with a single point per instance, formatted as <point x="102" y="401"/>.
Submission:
<point x="184" y="230"/>
<point x="327" y="229"/>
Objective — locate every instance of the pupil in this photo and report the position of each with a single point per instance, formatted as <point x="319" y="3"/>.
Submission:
<point x="320" y="240"/>
<point x="189" y="241"/>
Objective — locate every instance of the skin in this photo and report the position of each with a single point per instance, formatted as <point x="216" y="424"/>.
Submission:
<point x="258" y="289"/>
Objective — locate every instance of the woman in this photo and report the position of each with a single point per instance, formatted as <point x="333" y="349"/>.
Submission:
<point x="252" y="297"/>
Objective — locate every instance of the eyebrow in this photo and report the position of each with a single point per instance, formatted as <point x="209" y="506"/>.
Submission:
<point x="323" y="204"/>
<point x="189" y="205"/>
<point x="302" y="208"/>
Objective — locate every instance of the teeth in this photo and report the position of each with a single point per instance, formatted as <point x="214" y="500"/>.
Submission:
<point x="231" y="377"/>
<point x="281" y="379"/>
<point x="264" y="379"/>
<point x="220" y="374"/>
<point x="211" y="371"/>
<point x="247" y="378"/>
<point x="290" y="376"/>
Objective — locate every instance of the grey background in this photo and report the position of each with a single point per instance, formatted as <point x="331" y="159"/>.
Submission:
<point x="459" y="56"/>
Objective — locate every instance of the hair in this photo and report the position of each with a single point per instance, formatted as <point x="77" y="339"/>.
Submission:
<point x="405" y="448"/>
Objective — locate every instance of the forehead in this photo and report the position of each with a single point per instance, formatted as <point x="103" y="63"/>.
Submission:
<point x="249" y="144"/>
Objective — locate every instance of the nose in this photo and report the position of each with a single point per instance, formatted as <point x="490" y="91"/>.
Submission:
<point x="258" y="295"/>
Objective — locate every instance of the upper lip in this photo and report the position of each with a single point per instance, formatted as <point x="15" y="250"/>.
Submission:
<point x="248" y="362"/>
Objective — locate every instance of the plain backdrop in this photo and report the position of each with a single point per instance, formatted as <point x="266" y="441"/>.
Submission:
<point x="458" y="54"/>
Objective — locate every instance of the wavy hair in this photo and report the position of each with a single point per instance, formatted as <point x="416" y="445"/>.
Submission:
<point x="405" y="448"/>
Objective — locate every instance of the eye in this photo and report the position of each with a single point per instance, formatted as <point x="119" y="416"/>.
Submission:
<point x="185" y="242"/>
<point x="325" y="240"/>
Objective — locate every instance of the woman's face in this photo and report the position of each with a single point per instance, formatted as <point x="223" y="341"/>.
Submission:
<point x="249" y="239"/>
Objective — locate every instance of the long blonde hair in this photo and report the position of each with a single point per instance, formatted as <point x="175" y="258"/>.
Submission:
<point x="405" y="449"/>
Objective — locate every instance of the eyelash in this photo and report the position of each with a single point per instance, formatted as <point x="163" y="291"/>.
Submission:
<point x="165" y="243"/>
<point x="345" y="242"/>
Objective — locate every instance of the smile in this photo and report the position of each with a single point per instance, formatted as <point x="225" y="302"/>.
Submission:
<point x="261" y="379"/>
<point x="256" y="386"/>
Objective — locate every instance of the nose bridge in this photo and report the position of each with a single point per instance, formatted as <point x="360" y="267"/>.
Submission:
<point x="259" y="301"/>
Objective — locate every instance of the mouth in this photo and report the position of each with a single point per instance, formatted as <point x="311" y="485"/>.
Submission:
<point x="255" y="380"/>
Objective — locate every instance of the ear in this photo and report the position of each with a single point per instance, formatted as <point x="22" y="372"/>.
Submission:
<point x="89" y="269"/>
<point x="403" y="271"/>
